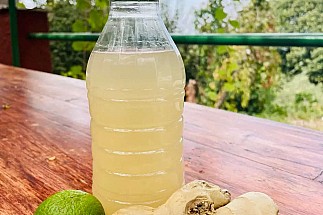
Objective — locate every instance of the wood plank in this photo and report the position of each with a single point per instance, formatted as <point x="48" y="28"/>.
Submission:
<point x="43" y="84"/>
<point x="40" y="124"/>
<point x="62" y="106"/>
<point x="292" y="149"/>
<point x="240" y="175"/>
<point x="29" y="175"/>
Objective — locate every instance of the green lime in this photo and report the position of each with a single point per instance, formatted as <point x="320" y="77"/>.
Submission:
<point x="70" y="202"/>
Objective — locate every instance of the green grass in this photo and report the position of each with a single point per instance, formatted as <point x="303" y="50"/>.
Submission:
<point x="299" y="84"/>
<point x="302" y="101"/>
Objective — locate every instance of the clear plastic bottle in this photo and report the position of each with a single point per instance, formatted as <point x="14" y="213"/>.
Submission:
<point x="135" y="81"/>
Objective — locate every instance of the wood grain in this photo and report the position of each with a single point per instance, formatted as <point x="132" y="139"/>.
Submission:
<point x="46" y="147"/>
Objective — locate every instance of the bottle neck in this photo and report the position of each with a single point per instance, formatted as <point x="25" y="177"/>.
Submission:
<point x="134" y="8"/>
<point x="134" y="26"/>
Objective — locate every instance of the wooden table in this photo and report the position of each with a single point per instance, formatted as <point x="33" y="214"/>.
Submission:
<point x="45" y="147"/>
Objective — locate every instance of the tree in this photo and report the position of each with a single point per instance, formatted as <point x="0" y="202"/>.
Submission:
<point x="61" y="17"/>
<point x="263" y="62"/>
<point x="242" y="79"/>
<point x="70" y="58"/>
<point x="301" y="16"/>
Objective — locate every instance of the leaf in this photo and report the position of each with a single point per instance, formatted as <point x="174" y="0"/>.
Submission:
<point x="78" y="46"/>
<point x="76" y="69"/>
<point x="20" y="5"/>
<point x="222" y="74"/>
<point x="221" y="30"/>
<point x="212" y="85"/>
<point x="221" y="49"/>
<point x="220" y="14"/>
<point x="232" y="67"/>
<point x="229" y="87"/>
<point x="94" y="19"/>
<point x="83" y="4"/>
<point x="211" y="95"/>
<point x="234" y="23"/>
<point x="83" y="46"/>
<point x="79" y="26"/>
<point x="103" y="4"/>
<point x="75" y="72"/>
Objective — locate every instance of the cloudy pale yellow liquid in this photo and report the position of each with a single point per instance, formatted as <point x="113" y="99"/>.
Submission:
<point x="136" y="104"/>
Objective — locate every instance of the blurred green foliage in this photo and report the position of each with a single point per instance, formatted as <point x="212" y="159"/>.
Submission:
<point x="303" y="17"/>
<point x="70" y="58"/>
<point x="250" y="79"/>
<point x="240" y="79"/>
<point x="63" y="55"/>
<point x="94" y="15"/>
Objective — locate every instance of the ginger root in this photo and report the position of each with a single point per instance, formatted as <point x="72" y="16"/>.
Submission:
<point x="203" y="198"/>
<point x="195" y="198"/>
<point x="254" y="203"/>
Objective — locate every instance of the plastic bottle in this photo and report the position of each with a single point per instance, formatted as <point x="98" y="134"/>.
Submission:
<point x="135" y="81"/>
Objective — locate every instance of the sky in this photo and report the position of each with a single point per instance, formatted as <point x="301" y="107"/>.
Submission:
<point x="186" y="9"/>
